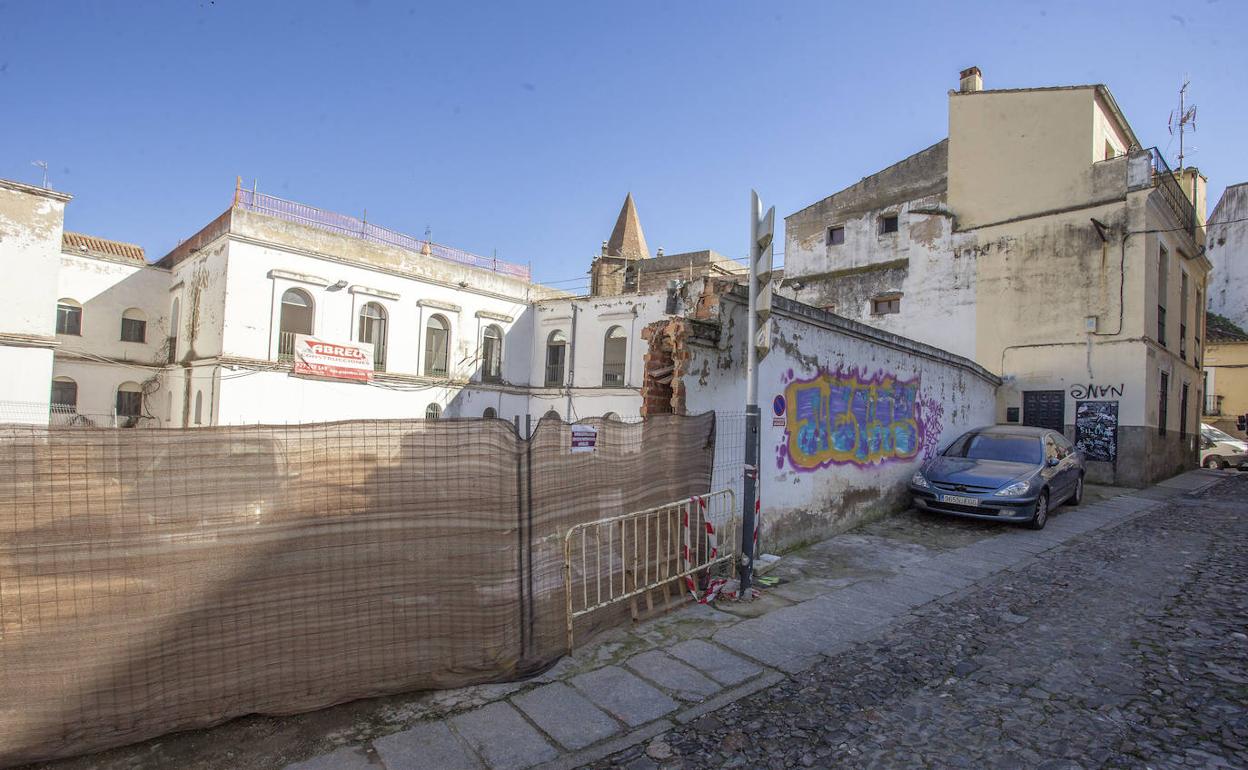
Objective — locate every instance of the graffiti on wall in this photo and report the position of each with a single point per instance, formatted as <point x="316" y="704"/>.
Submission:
<point x="848" y="418"/>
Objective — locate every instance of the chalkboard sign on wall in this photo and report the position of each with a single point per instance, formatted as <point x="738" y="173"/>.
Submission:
<point x="1096" y="430"/>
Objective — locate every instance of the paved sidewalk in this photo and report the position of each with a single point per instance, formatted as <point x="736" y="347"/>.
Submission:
<point x="638" y="683"/>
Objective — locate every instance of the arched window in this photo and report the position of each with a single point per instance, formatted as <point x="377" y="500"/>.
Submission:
<point x="296" y="318"/>
<point x="492" y="354"/>
<point x="175" y="320"/>
<point x="134" y="325"/>
<point x="199" y="408"/>
<point x="433" y="412"/>
<point x="129" y="399"/>
<point x="64" y="395"/>
<point x="437" y="346"/>
<point x="556" y="357"/>
<point x="373" y="329"/>
<point x="68" y="317"/>
<point x="489" y="413"/>
<point x="613" y="356"/>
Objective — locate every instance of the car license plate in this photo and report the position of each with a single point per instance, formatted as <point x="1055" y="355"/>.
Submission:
<point x="956" y="500"/>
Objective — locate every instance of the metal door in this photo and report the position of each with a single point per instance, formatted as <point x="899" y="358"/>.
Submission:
<point x="1045" y="409"/>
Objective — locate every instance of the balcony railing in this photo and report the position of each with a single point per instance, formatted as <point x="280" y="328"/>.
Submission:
<point x="286" y="346"/>
<point x="1213" y="404"/>
<point x="1172" y="193"/>
<point x="613" y="375"/>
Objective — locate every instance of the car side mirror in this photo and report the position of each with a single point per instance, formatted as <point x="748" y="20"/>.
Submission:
<point x="1053" y="461"/>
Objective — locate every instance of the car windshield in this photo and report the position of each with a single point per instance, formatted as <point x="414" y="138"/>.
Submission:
<point x="1007" y="447"/>
<point x="1215" y="435"/>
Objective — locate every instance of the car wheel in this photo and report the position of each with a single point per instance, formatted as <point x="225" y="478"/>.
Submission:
<point x="1213" y="463"/>
<point x="1041" y="516"/>
<point x="1076" y="497"/>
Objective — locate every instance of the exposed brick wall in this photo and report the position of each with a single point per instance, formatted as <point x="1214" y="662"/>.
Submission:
<point x="707" y="307"/>
<point x="663" y="390"/>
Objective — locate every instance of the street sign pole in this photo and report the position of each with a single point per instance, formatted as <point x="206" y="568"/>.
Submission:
<point x="761" y="234"/>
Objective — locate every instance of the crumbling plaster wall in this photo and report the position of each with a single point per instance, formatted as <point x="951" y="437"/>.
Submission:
<point x="31" y="226"/>
<point x="1227" y="247"/>
<point x="916" y="394"/>
<point x="921" y="261"/>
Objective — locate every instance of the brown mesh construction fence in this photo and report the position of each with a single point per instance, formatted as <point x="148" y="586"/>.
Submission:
<point x="153" y="581"/>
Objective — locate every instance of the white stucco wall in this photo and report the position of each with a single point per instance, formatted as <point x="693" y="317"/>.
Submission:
<point x="250" y="278"/>
<point x="25" y="388"/>
<point x="31" y="226"/>
<point x="1227" y="249"/>
<point x="804" y="496"/>
<point x="106" y="288"/>
<point x="933" y="273"/>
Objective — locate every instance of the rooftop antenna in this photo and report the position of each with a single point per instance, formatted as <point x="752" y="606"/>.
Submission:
<point x="1182" y="117"/>
<point x="43" y="164"/>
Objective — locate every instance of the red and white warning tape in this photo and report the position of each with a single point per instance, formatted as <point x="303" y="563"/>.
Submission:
<point x="717" y="587"/>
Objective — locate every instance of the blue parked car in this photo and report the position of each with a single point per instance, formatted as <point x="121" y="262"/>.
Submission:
<point x="1002" y="473"/>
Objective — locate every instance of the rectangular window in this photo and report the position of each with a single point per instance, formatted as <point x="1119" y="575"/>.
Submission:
<point x="886" y="305"/>
<point x="491" y="358"/>
<point x="133" y="330"/>
<point x="129" y="404"/>
<point x="1183" y="413"/>
<point x="1163" y="267"/>
<point x="888" y="224"/>
<point x="554" y="364"/>
<point x="436" y="344"/>
<point x="64" y="393"/>
<point x="1199" y="322"/>
<point x="68" y="319"/>
<point x="836" y="235"/>
<point x="1162" y="404"/>
<point x="1183" y="286"/>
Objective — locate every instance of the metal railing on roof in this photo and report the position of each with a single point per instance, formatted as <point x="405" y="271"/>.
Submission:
<point x="1172" y="193"/>
<point x="353" y="227"/>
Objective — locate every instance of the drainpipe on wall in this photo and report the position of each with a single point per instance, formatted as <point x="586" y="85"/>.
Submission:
<point x="571" y="364"/>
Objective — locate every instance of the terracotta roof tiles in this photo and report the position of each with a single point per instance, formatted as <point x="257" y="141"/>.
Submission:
<point x="102" y="247"/>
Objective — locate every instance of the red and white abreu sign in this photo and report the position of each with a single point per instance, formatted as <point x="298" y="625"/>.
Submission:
<point x="340" y="360"/>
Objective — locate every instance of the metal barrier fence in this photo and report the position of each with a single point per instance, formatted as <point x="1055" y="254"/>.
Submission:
<point x="645" y="551"/>
<point x="342" y="224"/>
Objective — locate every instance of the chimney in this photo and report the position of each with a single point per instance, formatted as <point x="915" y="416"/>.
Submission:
<point x="970" y="80"/>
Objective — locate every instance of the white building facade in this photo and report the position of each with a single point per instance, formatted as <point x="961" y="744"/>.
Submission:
<point x="206" y="335"/>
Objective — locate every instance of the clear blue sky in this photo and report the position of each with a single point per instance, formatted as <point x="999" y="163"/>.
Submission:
<point x="520" y="126"/>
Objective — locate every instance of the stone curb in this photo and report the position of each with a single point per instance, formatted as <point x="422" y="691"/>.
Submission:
<point x="1006" y="552"/>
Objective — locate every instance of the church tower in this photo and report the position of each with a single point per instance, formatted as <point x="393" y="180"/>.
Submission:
<point x="610" y="274"/>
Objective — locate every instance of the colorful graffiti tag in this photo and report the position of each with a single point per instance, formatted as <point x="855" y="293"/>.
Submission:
<point x="847" y="418"/>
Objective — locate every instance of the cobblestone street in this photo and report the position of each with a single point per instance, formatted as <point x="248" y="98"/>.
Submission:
<point x="1126" y="648"/>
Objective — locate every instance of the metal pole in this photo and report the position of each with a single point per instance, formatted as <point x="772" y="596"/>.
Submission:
<point x="746" y="571"/>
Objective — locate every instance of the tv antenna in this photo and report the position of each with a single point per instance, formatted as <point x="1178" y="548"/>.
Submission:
<point x="43" y="164"/>
<point x="1181" y="118"/>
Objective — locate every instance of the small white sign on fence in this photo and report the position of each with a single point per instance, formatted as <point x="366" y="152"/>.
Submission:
<point x="584" y="438"/>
